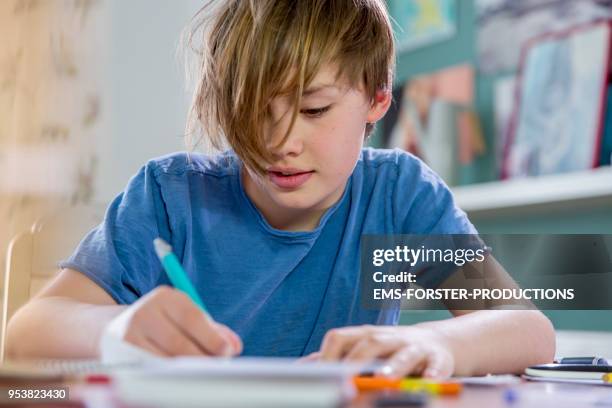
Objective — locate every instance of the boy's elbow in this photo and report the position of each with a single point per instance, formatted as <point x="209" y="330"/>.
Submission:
<point x="11" y="349"/>
<point x="14" y="339"/>
<point x="19" y="339"/>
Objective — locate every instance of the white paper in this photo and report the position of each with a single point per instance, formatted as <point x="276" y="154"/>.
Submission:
<point x="253" y="367"/>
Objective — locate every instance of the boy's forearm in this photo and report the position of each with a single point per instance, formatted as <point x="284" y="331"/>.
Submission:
<point x="497" y="341"/>
<point x="55" y="327"/>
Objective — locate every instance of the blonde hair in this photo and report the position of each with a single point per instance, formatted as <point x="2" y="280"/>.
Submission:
<point x="251" y="51"/>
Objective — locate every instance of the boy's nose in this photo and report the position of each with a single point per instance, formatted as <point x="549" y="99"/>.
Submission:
<point x="293" y="145"/>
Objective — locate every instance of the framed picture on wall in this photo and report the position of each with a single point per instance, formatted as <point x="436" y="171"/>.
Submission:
<point x="433" y="118"/>
<point x="419" y="23"/>
<point x="559" y="110"/>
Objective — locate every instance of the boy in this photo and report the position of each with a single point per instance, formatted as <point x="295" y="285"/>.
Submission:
<point x="269" y="231"/>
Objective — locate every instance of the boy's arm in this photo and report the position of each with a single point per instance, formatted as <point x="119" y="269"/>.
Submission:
<point x="66" y="319"/>
<point x="474" y="342"/>
<point x="493" y="339"/>
<point x="496" y="341"/>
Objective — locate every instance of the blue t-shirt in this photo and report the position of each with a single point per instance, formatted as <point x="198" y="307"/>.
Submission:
<point x="280" y="291"/>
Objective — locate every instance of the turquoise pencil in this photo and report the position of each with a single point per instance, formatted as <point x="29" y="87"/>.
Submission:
<point x="175" y="271"/>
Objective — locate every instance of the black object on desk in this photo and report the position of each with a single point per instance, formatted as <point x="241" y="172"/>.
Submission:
<point x="400" y="399"/>
<point x="597" y="361"/>
<point x="568" y="371"/>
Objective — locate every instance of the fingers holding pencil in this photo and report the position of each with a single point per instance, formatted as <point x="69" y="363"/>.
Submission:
<point x="167" y="322"/>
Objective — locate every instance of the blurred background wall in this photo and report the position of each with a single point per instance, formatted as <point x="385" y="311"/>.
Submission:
<point x="51" y="98"/>
<point x="146" y="84"/>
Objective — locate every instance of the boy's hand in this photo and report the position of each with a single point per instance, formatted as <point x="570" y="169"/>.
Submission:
<point x="408" y="350"/>
<point x="167" y="323"/>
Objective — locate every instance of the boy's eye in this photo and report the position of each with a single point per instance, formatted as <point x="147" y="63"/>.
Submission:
<point x="315" y="112"/>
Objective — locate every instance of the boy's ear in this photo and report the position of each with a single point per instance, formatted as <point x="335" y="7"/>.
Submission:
<point x="380" y="105"/>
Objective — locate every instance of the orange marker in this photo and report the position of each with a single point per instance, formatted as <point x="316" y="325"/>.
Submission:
<point x="366" y="384"/>
<point x="607" y="378"/>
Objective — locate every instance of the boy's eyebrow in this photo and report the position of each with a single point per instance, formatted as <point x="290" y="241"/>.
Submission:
<point x="318" y="88"/>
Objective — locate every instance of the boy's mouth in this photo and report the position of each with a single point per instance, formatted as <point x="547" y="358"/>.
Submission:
<point x="288" y="178"/>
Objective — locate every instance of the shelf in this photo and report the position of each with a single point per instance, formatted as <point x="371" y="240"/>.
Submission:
<point x="558" y="190"/>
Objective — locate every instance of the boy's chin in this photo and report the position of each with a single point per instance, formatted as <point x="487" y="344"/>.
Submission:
<point x="297" y="201"/>
<point x="305" y="200"/>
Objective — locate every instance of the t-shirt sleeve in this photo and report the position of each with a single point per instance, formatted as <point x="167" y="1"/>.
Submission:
<point x="425" y="206"/>
<point x="423" y="203"/>
<point x="118" y="254"/>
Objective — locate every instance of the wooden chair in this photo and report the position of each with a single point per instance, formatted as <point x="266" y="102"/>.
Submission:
<point x="33" y="256"/>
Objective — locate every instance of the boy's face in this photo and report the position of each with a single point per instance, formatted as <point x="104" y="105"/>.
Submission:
<point x="310" y="170"/>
